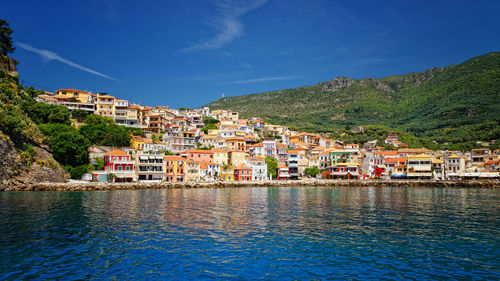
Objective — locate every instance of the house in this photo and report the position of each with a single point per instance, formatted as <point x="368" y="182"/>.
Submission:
<point x="269" y="147"/>
<point x="346" y="170"/>
<point x="227" y="173"/>
<point x="259" y="125"/>
<point x="419" y="166"/>
<point x="358" y="129"/>
<point x="243" y="173"/>
<point x="200" y="155"/>
<point x="121" y="165"/>
<point x="391" y="138"/>
<point x="209" y="171"/>
<point x="192" y="170"/>
<point x="221" y="156"/>
<point x="256" y="150"/>
<point x="150" y="167"/>
<point x="454" y="166"/>
<point x="399" y="172"/>
<point x="371" y="161"/>
<point x="174" y="167"/>
<point x="293" y="164"/>
<point x="283" y="173"/>
<point x="281" y="153"/>
<point x="259" y="168"/>
<point x="236" y="158"/>
<point x="236" y="143"/>
<point x="105" y="105"/>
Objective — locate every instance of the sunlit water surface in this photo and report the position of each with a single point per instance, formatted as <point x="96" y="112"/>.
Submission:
<point x="252" y="233"/>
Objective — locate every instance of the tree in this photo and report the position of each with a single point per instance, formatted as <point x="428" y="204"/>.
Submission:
<point x="79" y="114"/>
<point x="209" y="127"/>
<point x="210" y="120"/>
<point x="312" y="171"/>
<point x="6" y="45"/>
<point x="272" y="166"/>
<point x="71" y="148"/>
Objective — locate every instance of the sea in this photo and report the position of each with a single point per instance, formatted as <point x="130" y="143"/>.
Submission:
<point x="261" y="233"/>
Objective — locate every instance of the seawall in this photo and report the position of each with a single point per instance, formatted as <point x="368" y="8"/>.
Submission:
<point x="165" y="185"/>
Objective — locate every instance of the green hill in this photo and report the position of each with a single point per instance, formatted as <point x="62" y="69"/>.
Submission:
<point x="457" y="103"/>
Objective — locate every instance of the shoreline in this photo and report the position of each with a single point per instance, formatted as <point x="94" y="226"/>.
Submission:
<point x="92" y="186"/>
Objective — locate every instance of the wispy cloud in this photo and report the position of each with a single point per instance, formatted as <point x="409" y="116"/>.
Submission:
<point x="227" y="23"/>
<point x="256" y="80"/>
<point x="49" y="55"/>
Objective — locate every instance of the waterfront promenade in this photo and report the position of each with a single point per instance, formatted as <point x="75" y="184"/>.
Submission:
<point x="88" y="186"/>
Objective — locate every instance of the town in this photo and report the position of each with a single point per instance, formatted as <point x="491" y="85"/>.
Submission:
<point x="182" y="145"/>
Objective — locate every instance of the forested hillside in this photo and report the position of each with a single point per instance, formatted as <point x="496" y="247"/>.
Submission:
<point x="457" y="103"/>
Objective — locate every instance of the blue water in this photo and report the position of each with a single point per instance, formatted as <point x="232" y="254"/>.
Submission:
<point x="252" y="233"/>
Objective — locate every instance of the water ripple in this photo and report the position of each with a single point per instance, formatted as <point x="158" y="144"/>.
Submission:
<point x="252" y="234"/>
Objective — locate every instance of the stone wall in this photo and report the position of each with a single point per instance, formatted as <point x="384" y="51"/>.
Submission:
<point x="305" y="183"/>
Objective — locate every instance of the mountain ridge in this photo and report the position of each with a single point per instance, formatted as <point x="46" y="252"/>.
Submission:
<point x="436" y="103"/>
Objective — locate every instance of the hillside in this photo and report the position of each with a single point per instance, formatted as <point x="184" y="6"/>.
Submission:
<point x="24" y="158"/>
<point x="457" y="103"/>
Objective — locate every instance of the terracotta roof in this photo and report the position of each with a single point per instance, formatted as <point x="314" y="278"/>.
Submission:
<point x="116" y="152"/>
<point x="218" y="150"/>
<point x="495" y="162"/>
<point x="318" y="148"/>
<point x="395" y="160"/>
<point x="235" y="139"/>
<point x="72" y="90"/>
<point x="203" y="165"/>
<point x="201" y="151"/>
<point x="281" y="145"/>
<point x="388" y="153"/>
<point x="147" y="140"/>
<point x="170" y="157"/>
<point x="293" y="151"/>
<point x="282" y="167"/>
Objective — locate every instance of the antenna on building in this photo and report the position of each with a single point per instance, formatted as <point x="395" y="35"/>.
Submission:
<point x="222" y="94"/>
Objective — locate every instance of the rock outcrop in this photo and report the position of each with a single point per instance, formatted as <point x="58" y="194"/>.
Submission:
<point x="337" y="83"/>
<point x="15" y="173"/>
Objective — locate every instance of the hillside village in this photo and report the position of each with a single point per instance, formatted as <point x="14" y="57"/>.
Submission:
<point x="203" y="145"/>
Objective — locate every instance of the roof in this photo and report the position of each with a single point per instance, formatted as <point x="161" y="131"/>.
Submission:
<point x="72" y="90"/>
<point x="145" y="140"/>
<point x="170" y="157"/>
<point x="116" y="152"/>
<point x="318" y="148"/>
<point x="235" y="139"/>
<point x="494" y="162"/>
<point x="201" y="151"/>
<point x="203" y="165"/>
<point x="242" y="167"/>
<point x="282" y="167"/>
<point x="395" y="160"/>
<point x="453" y="156"/>
<point x="388" y="153"/>
<point x="218" y="150"/>
<point x="293" y="151"/>
<point x="106" y="97"/>
<point x="279" y="144"/>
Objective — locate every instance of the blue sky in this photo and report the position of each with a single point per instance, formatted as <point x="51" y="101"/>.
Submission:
<point x="188" y="53"/>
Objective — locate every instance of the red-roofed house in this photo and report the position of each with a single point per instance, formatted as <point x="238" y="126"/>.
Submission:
<point x="121" y="165"/>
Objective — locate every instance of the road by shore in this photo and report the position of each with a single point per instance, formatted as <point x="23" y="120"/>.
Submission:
<point x="83" y="186"/>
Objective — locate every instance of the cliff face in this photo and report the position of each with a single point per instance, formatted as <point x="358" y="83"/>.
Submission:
<point x="15" y="172"/>
<point x="8" y="65"/>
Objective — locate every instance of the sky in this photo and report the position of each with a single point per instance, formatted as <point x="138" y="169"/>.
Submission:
<point x="188" y="53"/>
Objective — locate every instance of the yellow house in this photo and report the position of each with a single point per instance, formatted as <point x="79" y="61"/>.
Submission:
<point x="236" y="158"/>
<point x="220" y="156"/>
<point x="106" y="105"/>
<point x="137" y="142"/>
<point x="227" y="173"/>
<point x="79" y="96"/>
<point x="236" y="143"/>
<point x="192" y="170"/>
<point x="174" y="168"/>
